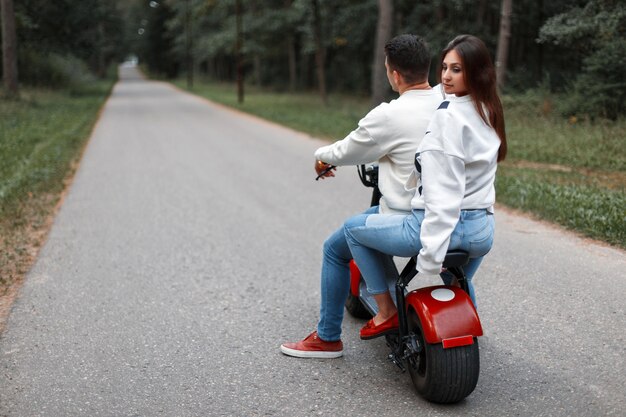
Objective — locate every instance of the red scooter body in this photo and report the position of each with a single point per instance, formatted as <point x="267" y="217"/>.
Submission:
<point x="447" y="315"/>
<point x="355" y="278"/>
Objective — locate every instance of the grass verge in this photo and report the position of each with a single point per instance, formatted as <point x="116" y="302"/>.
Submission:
<point x="567" y="171"/>
<point x="42" y="135"/>
<point x="299" y="111"/>
<point x="591" y="209"/>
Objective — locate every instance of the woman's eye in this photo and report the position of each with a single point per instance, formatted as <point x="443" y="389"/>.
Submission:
<point x="456" y="70"/>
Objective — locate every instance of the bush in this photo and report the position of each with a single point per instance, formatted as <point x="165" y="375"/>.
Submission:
<point x="53" y="70"/>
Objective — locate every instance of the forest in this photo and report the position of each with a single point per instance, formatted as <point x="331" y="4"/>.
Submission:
<point x="574" y="47"/>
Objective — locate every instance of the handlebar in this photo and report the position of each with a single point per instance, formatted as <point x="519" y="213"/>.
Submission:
<point x="326" y="171"/>
<point x="368" y="175"/>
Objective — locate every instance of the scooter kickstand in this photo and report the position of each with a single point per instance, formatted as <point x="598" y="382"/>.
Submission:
<point x="394" y="358"/>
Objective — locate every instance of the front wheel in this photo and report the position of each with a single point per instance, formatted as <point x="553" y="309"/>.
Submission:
<point x="442" y="375"/>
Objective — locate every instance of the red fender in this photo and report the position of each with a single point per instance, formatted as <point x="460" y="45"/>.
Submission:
<point x="355" y="278"/>
<point x="447" y="315"/>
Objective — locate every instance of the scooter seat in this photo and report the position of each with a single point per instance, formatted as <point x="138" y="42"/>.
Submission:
<point x="455" y="258"/>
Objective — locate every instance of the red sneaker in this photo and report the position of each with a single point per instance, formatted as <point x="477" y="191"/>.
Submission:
<point x="313" y="347"/>
<point x="371" y="331"/>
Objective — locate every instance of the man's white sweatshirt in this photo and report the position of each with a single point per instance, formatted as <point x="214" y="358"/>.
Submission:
<point x="389" y="134"/>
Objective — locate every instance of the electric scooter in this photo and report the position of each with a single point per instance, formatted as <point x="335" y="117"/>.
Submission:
<point x="438" y="325"/>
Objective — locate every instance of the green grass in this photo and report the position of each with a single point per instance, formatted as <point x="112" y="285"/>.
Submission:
<point x="575" y="203"/>
<point x="42" y="135"/>
<point x="537" y="134"/>
<point x="300" y="111"/>
<point x="571" y="172"/>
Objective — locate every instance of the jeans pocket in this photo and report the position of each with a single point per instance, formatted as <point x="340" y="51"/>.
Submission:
<point x="481" y="238"/>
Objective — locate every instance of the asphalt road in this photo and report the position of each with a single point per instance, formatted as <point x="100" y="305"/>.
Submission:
<point x="188" y="249"/>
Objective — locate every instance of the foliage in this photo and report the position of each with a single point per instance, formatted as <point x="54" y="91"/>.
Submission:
<point x="53" y="69"/>
<point x="597" y="32"/>
<point x="152" y="41"/>
<point x="273" y="27"/>
<point x="578" y="40"/>
<point x="90" y="30"/>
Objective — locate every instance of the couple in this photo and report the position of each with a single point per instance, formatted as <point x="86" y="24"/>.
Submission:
<point x="437" y="199"/>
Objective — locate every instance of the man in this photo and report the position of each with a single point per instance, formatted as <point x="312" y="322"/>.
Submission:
<point x="388" y="134"/>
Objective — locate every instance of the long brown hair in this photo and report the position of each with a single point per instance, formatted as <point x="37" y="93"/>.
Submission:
<point x="479" y="75"/>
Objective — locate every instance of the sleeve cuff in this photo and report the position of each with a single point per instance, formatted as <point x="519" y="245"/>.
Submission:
<point x="427" y="267"/>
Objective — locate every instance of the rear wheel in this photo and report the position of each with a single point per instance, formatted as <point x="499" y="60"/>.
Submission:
<point x="442" y="375"/>
<point x="356" y="308"/>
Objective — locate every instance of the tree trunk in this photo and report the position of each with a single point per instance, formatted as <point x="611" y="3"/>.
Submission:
<point x="320" y="52"/>
<point x="256" y="60"/>
<point x="503" y="42"/>
<point x="380" y="84"/>
<point x="239" y="51"/>
<point x="9" y="48"/>
<point x="480" y="13"/>
<point x="291" y="50"/>
<point x="188" y="44"/>
<point x="539" y="73"/>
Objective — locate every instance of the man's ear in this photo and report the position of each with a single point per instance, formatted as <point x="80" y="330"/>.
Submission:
<point x="397" y="78"/>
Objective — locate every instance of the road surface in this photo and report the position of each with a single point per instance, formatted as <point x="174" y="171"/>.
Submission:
<point x="188" y="250"/>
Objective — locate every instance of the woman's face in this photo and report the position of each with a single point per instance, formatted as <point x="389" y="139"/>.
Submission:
<point x="453" y="74"/>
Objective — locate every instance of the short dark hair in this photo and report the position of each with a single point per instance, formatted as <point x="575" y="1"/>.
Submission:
<point x="409" y="55"/>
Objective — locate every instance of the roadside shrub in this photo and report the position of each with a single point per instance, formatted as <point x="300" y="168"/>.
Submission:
<point x="53" y="70"/>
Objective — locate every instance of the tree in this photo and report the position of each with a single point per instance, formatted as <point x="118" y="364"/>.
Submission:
<point x="291" y="50"/>
<point x="596" y="33"/>
<point x="320" y="51"/>
<point x="68" y="41"/>
<point x="189" y="44"/>
<point x="503" y="42"/>
<point x="164" y="36"/>
<point x="9" y="48"/>
<point x="239" y="50"/>
<point x="380" y="85"/>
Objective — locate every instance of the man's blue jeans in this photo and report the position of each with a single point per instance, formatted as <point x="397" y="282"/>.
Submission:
<point x="372" y="238"/>
<point x="335" y="285"/>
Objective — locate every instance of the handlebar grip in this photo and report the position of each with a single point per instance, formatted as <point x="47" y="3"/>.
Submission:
<point x="326" y="171"/>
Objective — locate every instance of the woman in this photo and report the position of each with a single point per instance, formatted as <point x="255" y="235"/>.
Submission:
<point x="455" y="167"/>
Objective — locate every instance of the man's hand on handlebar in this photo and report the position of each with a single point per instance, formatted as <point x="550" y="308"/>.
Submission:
<point x="324" y="170"/>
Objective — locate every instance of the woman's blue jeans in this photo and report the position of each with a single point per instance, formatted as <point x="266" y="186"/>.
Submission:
<point x="372" y="238"/>
<point x="335" y="281"/>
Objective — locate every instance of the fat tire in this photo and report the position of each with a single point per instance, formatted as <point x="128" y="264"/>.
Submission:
<point x="356" y="308"/>
<point x="443" y="375"/>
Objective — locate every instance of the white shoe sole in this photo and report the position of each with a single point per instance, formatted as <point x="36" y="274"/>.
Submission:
<point x="311" y="354"/>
